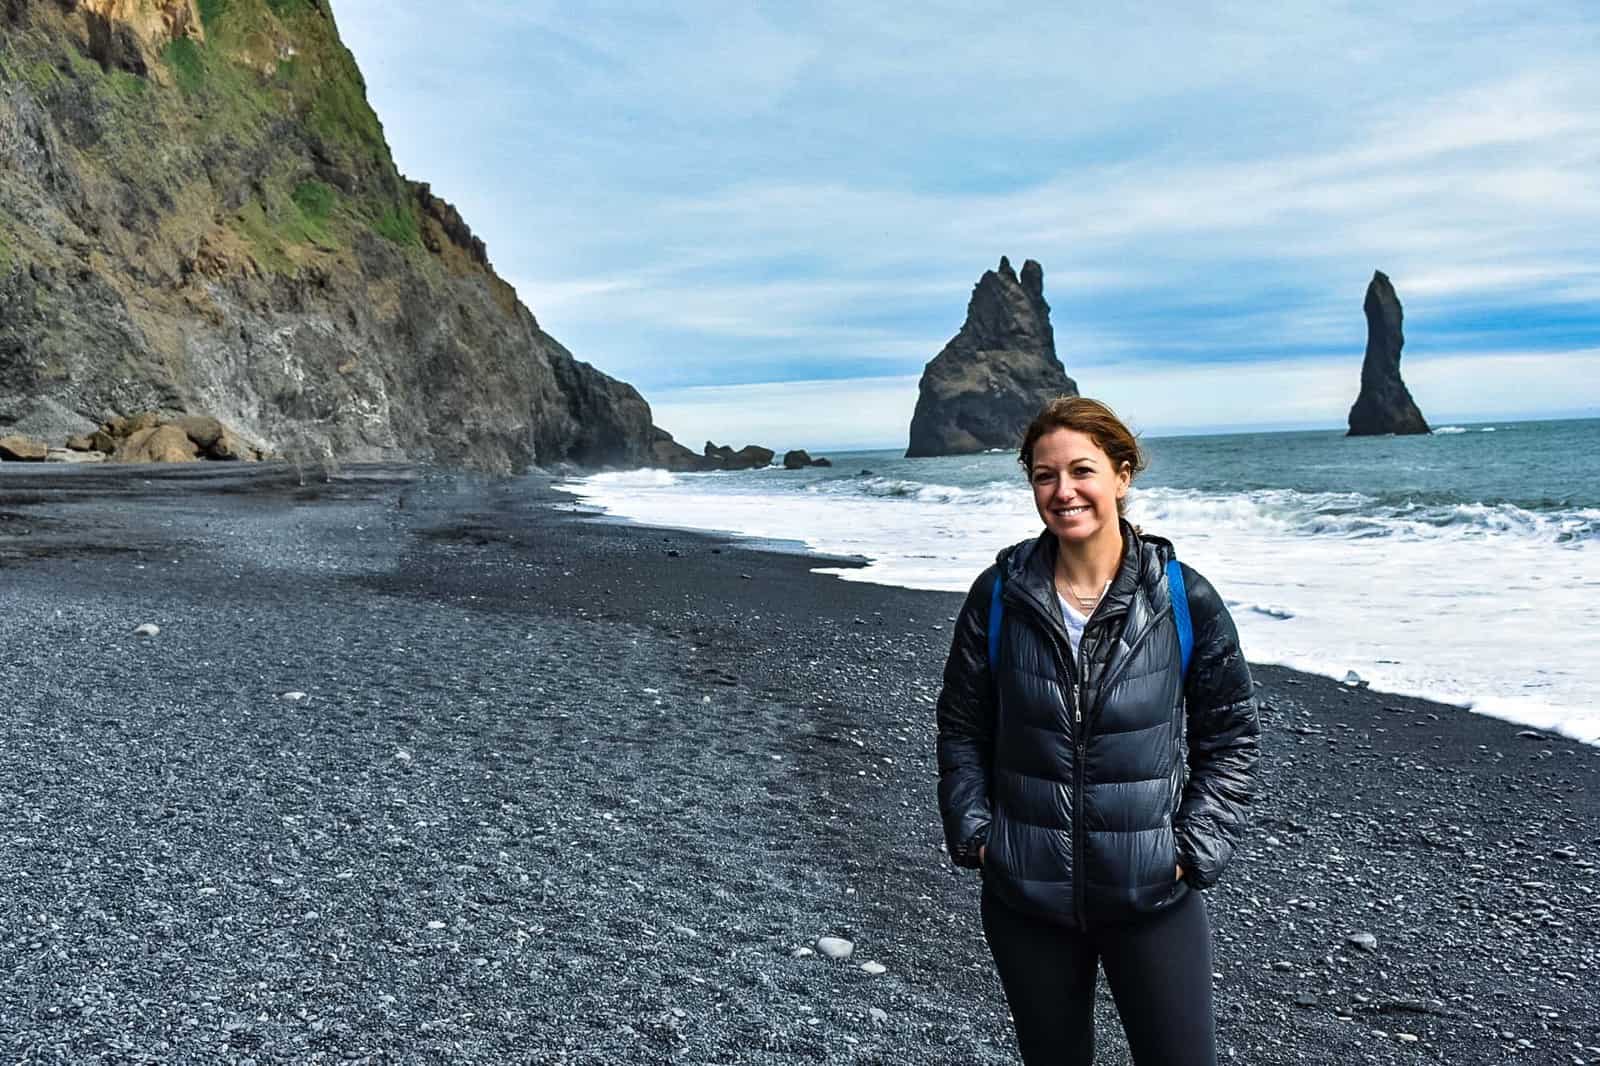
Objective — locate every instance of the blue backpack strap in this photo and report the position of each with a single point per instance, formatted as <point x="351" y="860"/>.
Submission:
<point x="994" y="624"/>
<point x="1180" y="611"/>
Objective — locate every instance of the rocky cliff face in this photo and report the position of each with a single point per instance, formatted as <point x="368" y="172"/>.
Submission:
<point x="984" y="387"/>
<point x="1384" y="404"/>
<point x="199" y="213"/>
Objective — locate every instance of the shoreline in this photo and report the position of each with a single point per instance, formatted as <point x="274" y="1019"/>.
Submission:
<point x="580" y="791"/>
<point x="1528" y="713"/>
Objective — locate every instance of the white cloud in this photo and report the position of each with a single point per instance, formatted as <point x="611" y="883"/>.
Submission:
<point x="697" y="193"/>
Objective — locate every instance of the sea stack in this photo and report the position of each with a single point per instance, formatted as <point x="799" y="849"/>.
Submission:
<point x="981" y="390"/>
<point x="1385" y="404"/>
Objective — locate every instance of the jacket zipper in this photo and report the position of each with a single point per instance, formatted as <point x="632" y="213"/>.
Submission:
<point x="1078" y="844"/>
<point x="1075" y="690"/>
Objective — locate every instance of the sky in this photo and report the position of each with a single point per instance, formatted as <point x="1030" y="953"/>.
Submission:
<point x="769" y="217"/>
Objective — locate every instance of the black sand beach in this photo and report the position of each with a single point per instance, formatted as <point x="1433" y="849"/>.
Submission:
<point x="561" y="790"/>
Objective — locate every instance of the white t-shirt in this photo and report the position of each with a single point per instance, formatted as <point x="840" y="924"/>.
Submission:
<point x="1075" y="623"/>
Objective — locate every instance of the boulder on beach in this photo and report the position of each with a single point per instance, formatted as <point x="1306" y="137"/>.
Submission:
<point x="157" y="444"/>
<point x="19" y="449"/>
<point x="1384" y="404"/>
<point x="73" y="455"/>
<point x="984" y="387"/>
<point x="151" y="437"/>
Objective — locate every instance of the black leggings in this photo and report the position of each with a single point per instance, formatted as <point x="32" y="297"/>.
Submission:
<point x="1159" y="971"/>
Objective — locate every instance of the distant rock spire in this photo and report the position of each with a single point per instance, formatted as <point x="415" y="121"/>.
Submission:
<point x="1384" y="404"/>
<point x="984" y="387"/>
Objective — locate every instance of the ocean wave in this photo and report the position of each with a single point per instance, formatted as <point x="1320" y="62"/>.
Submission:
<point x="1342" y="515"/>
<point x="1449" y="429"/>
<point x="644" y="478"/>
<point x="993" y="493"/>
<point x="1356" y="516"/>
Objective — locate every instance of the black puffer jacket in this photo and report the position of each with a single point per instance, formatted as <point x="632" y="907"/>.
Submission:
<point x="1090" y="781"/>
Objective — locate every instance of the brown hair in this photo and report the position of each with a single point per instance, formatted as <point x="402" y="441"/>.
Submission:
<point x="1094" y="420"/>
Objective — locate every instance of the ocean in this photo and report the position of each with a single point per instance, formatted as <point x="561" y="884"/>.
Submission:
<point x="1463" y="566"/>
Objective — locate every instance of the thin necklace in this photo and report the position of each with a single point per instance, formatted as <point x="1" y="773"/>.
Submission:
<point x="1085" y="603"/>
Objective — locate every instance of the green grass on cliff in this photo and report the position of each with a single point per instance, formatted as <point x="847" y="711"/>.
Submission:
<point x="400" y="224"/>
<point x="211" y="11"/>
<point x="188" y="67"/>
<point x="271" y="98"/>
<point x="316" y="201"/>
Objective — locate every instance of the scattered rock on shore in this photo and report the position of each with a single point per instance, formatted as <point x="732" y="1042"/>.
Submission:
<point x="144" y="437"/>
<point x="20" y="449"/>
<point x="835" y="947"/>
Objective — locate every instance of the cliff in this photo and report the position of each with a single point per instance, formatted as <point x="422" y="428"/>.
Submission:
<point x="1384" y="404"/>
<point x="199" y="213"/>
<point x="989" y="381"/>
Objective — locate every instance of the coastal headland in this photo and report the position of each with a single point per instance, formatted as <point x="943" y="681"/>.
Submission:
<point x="421" y="767"/>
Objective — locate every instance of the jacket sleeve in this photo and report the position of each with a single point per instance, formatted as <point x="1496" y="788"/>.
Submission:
<point x="966" y="728"/>
<point x="1224" y="740"/>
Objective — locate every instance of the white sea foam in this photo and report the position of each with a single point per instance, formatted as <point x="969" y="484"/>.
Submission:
<point x="1488" y="606"/>
<point x="1451" y="429"/>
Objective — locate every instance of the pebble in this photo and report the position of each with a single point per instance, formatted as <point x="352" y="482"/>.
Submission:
<point x="874" y="968"/>
<point x="1283" y="967"/>
<point x="148" y="629"/>
<point x="801" y="953"/>
<point x="878" y="1015"/>
<point x="1305" y="999"/>
<point x="835" y="947"/>
<point x="292" y="697"/>
<point x="1364" y="941"/>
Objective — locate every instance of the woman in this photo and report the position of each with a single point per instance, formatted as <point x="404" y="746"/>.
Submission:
<point x="1096" y="777"/>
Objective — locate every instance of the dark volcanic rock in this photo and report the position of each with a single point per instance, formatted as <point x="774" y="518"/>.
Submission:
<point x="750" y="457"/>
<point x="1384" y="404"/>
<point x="190" y="220"/>
<point x="981" y="391"/>
<point x="799" y="458"/>
<point x="668" y="454"/>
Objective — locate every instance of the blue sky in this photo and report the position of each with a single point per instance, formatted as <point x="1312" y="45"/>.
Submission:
<point x="769" y="217"/>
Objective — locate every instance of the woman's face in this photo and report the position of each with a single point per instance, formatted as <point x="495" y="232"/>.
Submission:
<point x="1075" y="486"/>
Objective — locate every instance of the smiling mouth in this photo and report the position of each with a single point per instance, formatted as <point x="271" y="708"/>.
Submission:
<point x="1068" y="512"/>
